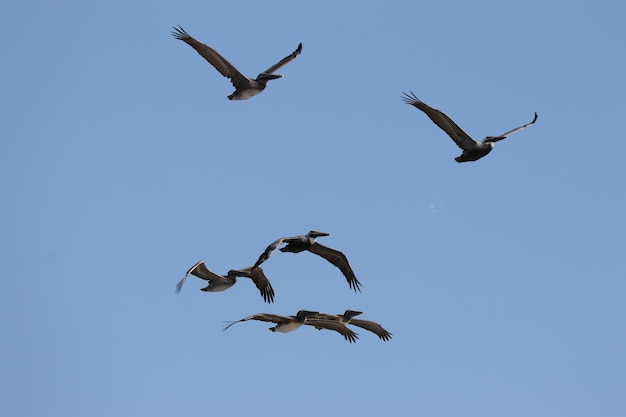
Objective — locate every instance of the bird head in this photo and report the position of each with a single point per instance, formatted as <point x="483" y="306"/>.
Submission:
<point x="264" y="77"/>
<point x="492" y="139"/>
<point x="315" y="233"/>
<point x="351" y="313"/>
<point x="303" y="314"/>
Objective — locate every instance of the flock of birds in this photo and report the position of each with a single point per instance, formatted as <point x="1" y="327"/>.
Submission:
<point x="285" y="324"/>
<point x="246" y="88"/>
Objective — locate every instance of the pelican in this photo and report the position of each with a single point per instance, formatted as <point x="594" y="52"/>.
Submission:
<point x="308" y="242"/>
<point x="221" y="283"/>
<point x="348" y="318"/>
<point x="472" y="150"/>
<point x="286" y="324"/>
<point x="244" y="87"/>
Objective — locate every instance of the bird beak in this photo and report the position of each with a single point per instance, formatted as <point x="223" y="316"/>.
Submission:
<point x="309" y="314"/>
<point x="267" y="77"/>
<point x="315" y="233"/>
<point x="493" y="139"/>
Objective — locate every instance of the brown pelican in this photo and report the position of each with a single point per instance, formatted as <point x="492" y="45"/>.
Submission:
<point x="472" y="150"/>
<point x="348" y="318"/>
<point x="244" y="87"/>
<point x="308" y="242"/>
<point x="286" y="324"/>
<point x="221" y="283"/>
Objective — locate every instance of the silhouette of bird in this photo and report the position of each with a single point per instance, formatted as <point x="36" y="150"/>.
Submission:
<point x="309" y="243"/>
<point x="286" y="324"/>
<point x="221" y="283"/>
<point x="472" y="150"/>
<point x="244" y="87"/>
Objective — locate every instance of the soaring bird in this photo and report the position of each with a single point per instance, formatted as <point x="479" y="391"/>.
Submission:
<point x="472" y="150"/>
<point x="308" y="242"/>
<point x="244" y="87"/>
<point x="221" y="283"/>
<point x="286" y="324"/>
<point x="348" y="318"/>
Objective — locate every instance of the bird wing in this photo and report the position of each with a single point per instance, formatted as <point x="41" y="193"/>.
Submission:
<point x="284" y="61"/>
<point x="273" y="318"/>
<point x="341" y="328"/>
<point x="510" y="132"/>
<point x="268" y="252"/>
<point x="462" y="139"/>
<point x="260" y="280"/>
<point x="339" y="260"/>
<point x="201" y="271"/>
<point x="212" y="56"/>
<point x="372" y="327"/>
<point x="324" y="316"/>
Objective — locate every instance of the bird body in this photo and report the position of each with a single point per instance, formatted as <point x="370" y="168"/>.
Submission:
<point x="221" y="284"/>
<point x="244" y="87"/>
<point x="475" y="153"/>
<point x="472" y="150"/>
<point x="286" y="327"/>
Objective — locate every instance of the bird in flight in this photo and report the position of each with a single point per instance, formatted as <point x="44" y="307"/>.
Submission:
<point x="309" y="243"/>
<point x="286" y="324"/>
<point x="244" y="87"/>
<point x="472" y="150"/>
<point x="219" y="282"/>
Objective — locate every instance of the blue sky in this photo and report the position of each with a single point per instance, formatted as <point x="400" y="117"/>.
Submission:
<point x="124" y="163"/>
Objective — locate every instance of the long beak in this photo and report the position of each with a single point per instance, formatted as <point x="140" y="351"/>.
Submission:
<point x="493" y="138"/>
<point x="352" y="313"/>
<point x="267" y="77"/>
<point x="315" y="233"/>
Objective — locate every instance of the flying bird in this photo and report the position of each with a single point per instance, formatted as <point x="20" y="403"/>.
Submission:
<point x="348" y="318"/>
<point x="221" y="283"/>
<point x="244" y="87"/>
<point x="308" y="242"/>
<point x="472" y="150"/>
<point x="286" y="324"/>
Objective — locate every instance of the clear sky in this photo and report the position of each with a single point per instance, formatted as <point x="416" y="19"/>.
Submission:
<point x="123" y="163"/>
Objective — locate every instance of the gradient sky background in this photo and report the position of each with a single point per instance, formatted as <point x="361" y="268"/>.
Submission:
<point x="123" y="164"/>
